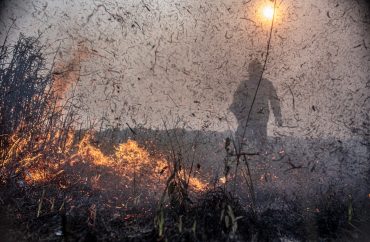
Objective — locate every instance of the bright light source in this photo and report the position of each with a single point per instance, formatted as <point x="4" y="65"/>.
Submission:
<point x="268" y="12"/>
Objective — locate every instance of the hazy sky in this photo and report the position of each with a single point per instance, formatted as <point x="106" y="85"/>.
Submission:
<point x="141" y="61"/>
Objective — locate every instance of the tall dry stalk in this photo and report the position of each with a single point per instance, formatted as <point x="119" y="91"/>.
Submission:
<point x="32" y="125"/>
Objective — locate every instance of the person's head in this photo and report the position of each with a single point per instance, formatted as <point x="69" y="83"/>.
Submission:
<point x="255" y="68"/>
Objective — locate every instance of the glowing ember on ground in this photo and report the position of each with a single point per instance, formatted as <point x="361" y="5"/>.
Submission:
<point x="36" y="176"/>
<point x="197" y="184"/>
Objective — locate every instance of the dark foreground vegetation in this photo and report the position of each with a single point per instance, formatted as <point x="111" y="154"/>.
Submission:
<point x="84" y="214"/>
<point x="58" y="185"/>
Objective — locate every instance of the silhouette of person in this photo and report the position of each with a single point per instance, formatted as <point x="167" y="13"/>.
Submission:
<point x="255" y="134"/>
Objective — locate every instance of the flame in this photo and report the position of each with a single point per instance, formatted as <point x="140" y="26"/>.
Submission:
<point x="39" y="157"/>
<point x="36" y="176"/>
<point x="130" y="161"/>
<point x="128" y="155"/>
<point x="130" y="158"/>
<point x="88" y="152"/>
<point x="132" y="154"/>
<point x="197" y="184"/>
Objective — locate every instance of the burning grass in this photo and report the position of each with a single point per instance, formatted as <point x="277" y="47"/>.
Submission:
<point x="65" y="181"/>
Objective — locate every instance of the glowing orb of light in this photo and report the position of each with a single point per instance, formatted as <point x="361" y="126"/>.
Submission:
<point x="268" y="12"/>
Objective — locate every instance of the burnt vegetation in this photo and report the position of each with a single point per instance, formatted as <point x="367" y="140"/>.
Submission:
<point x="59" y="184"/>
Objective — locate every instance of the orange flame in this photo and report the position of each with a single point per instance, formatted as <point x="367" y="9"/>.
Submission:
<point x="132" y="154"/>
<point x="88" y="152"/>
<point x="197" y="184"/>
<point x="129" y="160"/>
